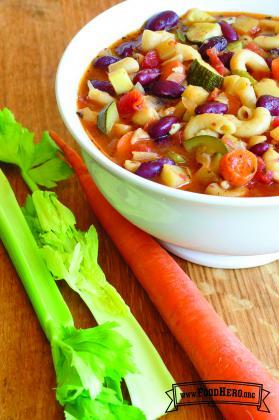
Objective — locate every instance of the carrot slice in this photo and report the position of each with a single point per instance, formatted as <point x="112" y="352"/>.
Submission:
<point x="124" y="147"/>
<point x="213" y="348"/>
<point x="234" y="104"/>
<point x="238" y="167"/>
<point x="275" y="69"/>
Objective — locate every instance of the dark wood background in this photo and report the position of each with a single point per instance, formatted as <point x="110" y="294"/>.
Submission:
<point x="33" y="35"/>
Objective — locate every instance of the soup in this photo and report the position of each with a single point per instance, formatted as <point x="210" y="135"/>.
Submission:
<point x="190" y="102"/>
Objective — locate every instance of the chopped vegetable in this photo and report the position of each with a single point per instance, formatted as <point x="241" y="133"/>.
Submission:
<point x="197" y="15"/>
<point x="199" y="32"/>
<point x="234" y="46"/>
<point x="172" y="67"/>
<point x="238" y="167"/>
<point x="151" y="60"/>
<point x="179" y="302"/>
<point x="252" y="46"/>
<point x="39" y="163"/>
<point x="275" y="69"/>
<point x="176" y="157"/>
<point x="201" y="74"/>
<point x="129" y="103"/>
<point x="107" y="117"/>
<point x="120" y="81"/>
<point x="209" y="144"/>
<point x="245" y="24"/>
<point x="174" y="176"/>
<point x="89" y="363"/>
<point x="215" y="61"/>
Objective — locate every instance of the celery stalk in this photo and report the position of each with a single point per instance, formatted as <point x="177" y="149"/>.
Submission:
<point x="72" y="255"/>
<point x="22" y="248"/>
<point x="89" y="363"/>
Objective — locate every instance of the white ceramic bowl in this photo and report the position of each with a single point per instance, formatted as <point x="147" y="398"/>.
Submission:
<point x="213" y="231"/>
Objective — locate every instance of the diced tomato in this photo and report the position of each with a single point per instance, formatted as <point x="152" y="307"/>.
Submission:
<point x="260" y="74"/>
<point x="254" y="31"/>
<point x="151" y="60"/>
<point x="216" y="62"/>
<point x="262" y="175"/>
<point x="129" y="103"/>
<point x="213" y="95"/>
<point x="275" y="69"/>
<point x="275" y="122"/>
<point x="172" y="67"/>
<point x="252" y="46"/>
<point x="142" y="146"/>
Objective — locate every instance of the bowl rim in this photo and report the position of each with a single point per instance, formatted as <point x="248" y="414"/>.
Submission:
<point x="154" y="187"/>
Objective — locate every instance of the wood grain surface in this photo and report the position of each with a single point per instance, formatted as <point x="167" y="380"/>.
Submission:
<point x="33" y="35"/>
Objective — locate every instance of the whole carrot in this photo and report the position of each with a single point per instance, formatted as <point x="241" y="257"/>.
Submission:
<point x="212" y="347"/>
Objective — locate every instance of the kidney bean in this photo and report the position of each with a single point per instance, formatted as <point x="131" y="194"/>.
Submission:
<point x="104" y="61"/>
<point x="274" y="52"/>
<point x="146" y="76"/>
<point x="260" y="148"/>
<point x="212" y="108"/>
<point x="228" y="31"/>
<point x="153" y="168"/>
<point x="161" y="128"/>
<point x="164" y="20"/>
<point x="103" y="85"/>
<point x="167" y="89"/>
<point x="127" y="48"/>
<point x="271" y="103"/>
<point x="217" y="42"/>
<point x="226" y="57"/>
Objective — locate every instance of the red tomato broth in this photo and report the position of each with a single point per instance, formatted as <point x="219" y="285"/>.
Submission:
<point x="106" y="143"/>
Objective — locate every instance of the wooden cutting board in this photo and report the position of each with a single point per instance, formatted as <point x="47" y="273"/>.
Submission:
<point x="33" y="35"/>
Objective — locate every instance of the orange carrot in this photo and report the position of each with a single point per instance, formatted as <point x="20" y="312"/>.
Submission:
<point x="213" y="348"/>
<point x="238" y="167"/>
<point x="124" y="147"/>
<point x="234" y="104"/>
<point x="275" y="69"/>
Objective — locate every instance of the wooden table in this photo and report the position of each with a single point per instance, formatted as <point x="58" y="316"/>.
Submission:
<point x="34" y="34"/>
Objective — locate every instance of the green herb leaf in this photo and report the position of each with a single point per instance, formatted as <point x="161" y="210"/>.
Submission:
<point x="39" y="163"/>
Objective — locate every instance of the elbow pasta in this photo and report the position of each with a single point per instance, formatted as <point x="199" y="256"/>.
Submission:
<point x="271" y="159"/>
<point x="244" y="59"/>
<point x="244" y="113"/>
<point x="216" y="189"/>
<point x="267" y="42"/>
<point x="242" y="88"/>
<point x="218" y="123"/>
<point x="257" y="125"/>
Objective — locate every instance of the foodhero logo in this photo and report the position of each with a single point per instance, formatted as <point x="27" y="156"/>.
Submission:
<point x="218" y="392"/>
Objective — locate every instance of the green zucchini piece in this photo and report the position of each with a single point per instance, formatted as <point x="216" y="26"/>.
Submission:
<point x="235" y="46"/>
<point x="202" y="74"/>
<point x="176" y="157"/>
<point x="107" y="117"/>
<point x="210" y="144"/>
<point x="243" y="73"/>
<point x="180" y="36"/>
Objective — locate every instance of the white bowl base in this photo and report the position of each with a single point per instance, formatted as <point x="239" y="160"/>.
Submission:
<point x="220" y="261"/>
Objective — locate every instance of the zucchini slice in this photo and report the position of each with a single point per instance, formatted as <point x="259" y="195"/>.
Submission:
<point x="202" y="74"/>
<point x="210" y="144"/>
<point x="107" y="117"/>
<point x="234" y="46"/>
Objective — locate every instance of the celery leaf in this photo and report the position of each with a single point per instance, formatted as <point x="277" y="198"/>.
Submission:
<point x="39" y="162"/>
